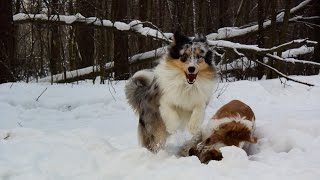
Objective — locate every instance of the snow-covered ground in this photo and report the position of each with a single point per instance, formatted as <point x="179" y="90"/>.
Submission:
<point x="88" y="132"/>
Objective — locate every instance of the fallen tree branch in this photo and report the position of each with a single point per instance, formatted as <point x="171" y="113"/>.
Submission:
<point x="134" y="26"/>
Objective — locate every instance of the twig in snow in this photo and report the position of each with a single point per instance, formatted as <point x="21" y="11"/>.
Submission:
<point x="284" y="83"/>
<point x="41" y="94"/>
<point x="19" y="123"/>
<point x="7" y="136"/>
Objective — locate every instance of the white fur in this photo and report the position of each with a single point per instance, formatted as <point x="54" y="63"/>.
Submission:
<point x="214" y="124"/>
<point x="182" y="104"/>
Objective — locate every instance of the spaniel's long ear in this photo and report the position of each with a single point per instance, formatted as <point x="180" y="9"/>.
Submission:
<point x="180" y="39"/>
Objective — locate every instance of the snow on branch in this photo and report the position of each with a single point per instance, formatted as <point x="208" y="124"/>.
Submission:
<point x="70" y="74"/>
<point x="135" y="26"/>
<point x="149" y="54"/>
<point x="292" y="44"/>
<point x="295" y="52"/>
<point x="236" y="47"/>
<point x="276" y="71"/>
<point x="88" y="70"/>
<point x="234" y="32"/>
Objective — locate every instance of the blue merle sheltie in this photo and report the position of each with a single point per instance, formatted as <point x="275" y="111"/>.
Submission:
<point x="175" y="93"/>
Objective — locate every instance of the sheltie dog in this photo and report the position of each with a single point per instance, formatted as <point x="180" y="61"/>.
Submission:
<point x="175" y="93"/>
<point x="232" y="125"/>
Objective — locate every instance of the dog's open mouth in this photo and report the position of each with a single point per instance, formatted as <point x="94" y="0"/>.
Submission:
<point x="191" y="78"/>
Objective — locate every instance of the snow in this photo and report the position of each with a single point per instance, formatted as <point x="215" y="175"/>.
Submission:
<point x="297" y="51"/>
<point x="121" y="26"/>
<point x="88" y="131"/>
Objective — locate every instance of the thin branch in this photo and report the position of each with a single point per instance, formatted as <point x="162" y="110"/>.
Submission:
<point x="283" y="75"/>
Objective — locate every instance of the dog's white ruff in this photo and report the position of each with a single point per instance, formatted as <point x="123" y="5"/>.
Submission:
<point x="182" y="104"/>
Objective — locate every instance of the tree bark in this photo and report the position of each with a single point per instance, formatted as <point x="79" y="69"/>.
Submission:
<point x="7" y="59"/>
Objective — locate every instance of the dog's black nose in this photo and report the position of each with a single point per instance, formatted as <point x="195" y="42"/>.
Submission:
<point x="191" y="69"/>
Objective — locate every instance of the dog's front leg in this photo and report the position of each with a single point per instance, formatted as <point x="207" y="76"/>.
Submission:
<point x="170" y="117"/>
<point x="196" y="120"/>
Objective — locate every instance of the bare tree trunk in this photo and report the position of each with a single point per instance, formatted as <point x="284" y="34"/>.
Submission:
<point x="54" y="45"/>
<point x="100" y="36"/>
<point x="121" y="64"/>
<point x="17" y="6"/>
<point x="7" y="59"/>
<point x="260" y="36"/>
<point x="145" y="7"/>
<point x="224" y="19"/>
<point x="71" y="43"/>
<point x="273" y="33"/>
<point x="240" y="10"/>
<point x="283" y="32"/>
<point x="85" y="35"/>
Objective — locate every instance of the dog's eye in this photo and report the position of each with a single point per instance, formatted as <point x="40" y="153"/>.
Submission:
<point x="201" y="51"/>
<point x="184" y="58"/>
<point x="199" y="56"/>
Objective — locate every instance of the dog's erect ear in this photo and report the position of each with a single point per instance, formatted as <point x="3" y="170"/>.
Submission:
<point x="199" y="38"/>
<point x="180" y="39"/>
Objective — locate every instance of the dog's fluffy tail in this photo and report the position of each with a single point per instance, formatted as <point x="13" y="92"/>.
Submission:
<point x="143" y="95"/>
<point x="141" y="89"/>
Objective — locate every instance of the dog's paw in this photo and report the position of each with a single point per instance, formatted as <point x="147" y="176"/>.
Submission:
<point x="194" y="128"/>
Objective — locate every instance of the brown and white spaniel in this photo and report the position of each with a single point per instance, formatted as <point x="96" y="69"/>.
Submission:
<point x="232" y="125"/>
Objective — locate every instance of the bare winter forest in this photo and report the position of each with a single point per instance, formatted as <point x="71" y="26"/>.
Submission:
<point x="69" y="40"/>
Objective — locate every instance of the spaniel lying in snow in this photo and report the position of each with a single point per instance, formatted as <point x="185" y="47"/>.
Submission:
<point x="233" y="124"/>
